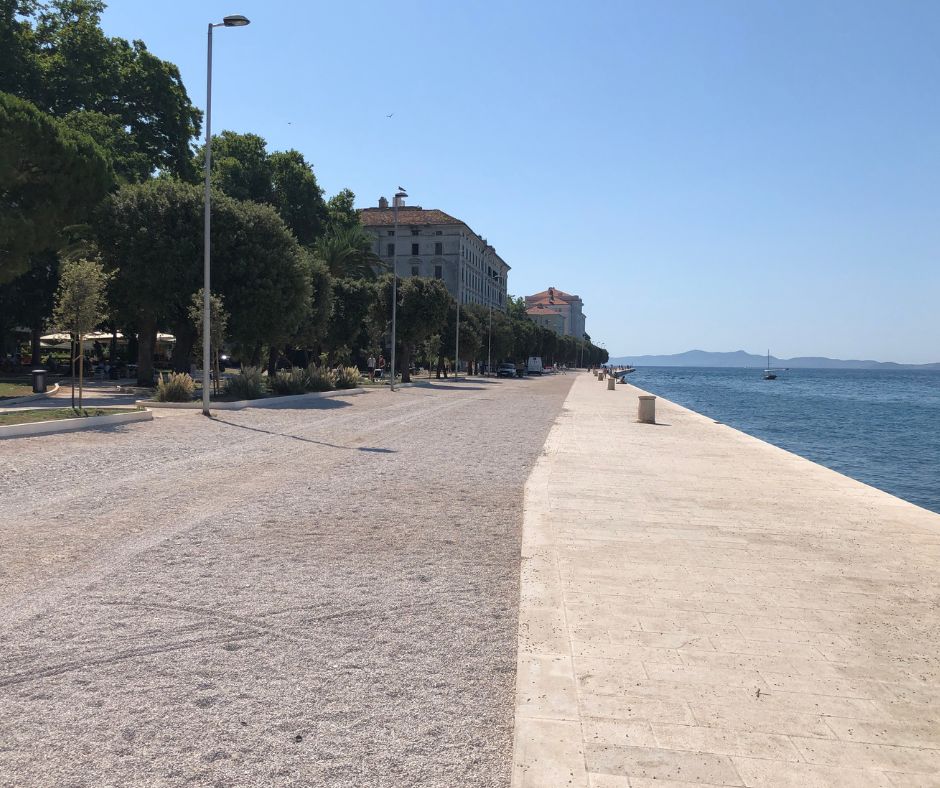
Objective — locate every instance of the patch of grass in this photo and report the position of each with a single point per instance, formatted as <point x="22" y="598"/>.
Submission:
<point x="14" y="390"/>
<point x="54" y="414"/>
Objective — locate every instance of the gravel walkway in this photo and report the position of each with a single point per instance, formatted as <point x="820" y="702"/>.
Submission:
<point x="280" y="597"/>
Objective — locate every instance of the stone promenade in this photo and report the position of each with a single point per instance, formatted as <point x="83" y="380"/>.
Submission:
<point x="701" y="608"/>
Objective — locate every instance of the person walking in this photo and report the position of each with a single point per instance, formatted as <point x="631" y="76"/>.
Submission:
<point x="371" y="363"/>
<point x="380" y="366"/>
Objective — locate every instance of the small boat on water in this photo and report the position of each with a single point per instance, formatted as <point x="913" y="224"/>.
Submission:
<point x="771" y="373"/>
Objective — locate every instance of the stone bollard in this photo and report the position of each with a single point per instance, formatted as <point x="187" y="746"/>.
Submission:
<point x="611" y="382"/>
<point x="600" y="375"/>
<point x="646" y="412"/>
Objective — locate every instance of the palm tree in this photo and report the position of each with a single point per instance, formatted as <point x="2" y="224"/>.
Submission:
<point x="347" y="253"/>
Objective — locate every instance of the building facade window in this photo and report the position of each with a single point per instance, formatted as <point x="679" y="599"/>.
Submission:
<point x="391" y="232"/>
<point x="415" y="270"/>
<point x="438" y="272"/>
<point x="438" y="247"/>
<point x="390" y="251"/>
<point x="414" y="248"/>
<point x="415" y="232"/>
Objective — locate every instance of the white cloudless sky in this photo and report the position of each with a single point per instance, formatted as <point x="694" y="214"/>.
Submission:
<point x="737" y="174"/>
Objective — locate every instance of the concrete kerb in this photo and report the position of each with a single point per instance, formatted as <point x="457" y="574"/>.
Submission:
<point x="5" y="403"/>
<point x="73" y="425"/>
<point x="251" y="403"/>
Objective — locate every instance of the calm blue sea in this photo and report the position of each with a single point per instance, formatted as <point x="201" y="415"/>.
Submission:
<point x="880" y="427"/>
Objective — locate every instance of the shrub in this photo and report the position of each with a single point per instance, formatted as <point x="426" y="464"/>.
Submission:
<point x="247" y="384"/>
<point x="292" y="382"/>
<point x="319" y="378"/>
<point x="347" y="377"/>
<point x="176" y="387"/>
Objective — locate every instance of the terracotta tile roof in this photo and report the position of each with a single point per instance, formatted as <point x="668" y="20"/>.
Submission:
<point x="551" y="296"/>
<point x="385" y="217"/>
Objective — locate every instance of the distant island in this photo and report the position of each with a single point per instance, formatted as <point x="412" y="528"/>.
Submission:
<point x="741" y="358"/>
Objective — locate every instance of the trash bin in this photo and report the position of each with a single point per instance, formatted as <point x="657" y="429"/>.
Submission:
<point x="611" y="382"/>
<point x="646" y="411"/>
<point x="39" y="381"/>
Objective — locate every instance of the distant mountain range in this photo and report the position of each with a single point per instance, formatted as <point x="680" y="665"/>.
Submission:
<point x="741" y="358"/>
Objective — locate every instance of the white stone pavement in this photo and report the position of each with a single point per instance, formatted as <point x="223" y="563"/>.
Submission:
<point x="701" y="608"/>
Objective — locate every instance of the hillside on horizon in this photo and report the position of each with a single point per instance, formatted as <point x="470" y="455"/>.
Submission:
<point x="741" y="358"/>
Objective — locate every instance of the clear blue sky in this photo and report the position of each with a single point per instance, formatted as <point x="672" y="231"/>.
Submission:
<point x="715" y="175"/>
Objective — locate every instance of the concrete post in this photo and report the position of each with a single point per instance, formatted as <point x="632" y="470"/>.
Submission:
<point x="646" y="411"/>
<point x="600" y="375"/>
<point x="610" y="384"/>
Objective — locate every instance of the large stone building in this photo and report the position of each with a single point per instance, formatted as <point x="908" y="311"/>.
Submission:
<point x="560" y="311"/>
<point x="434" y="244"/>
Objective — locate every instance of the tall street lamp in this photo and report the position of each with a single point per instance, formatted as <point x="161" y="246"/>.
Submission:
<point x="236" y="20"/>
<point x="459" y="296"/>
<point x="399" y="196"/>
<point x="498" y="279"/>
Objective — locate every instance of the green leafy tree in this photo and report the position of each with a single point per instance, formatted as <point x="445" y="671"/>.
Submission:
<point x="218" y="325"/>
<point x="50" y="177"/>
<point x="313" y="329"/>
<point x="349" y="325"/>
<point x="347" y="253"/>
<point x="28" y="300"/>
<point x="130" y="163"/>
<point x="341" y="211"/>
<point x="243" y="169"/>
<point x="55" y="55"/>
<point x="262" y="272"/>
<point x="297" y="197"/>
<point x="421" y="312"/>
<point x="473" y="324"/>
<point x="240" y="166"/>
<point x="79" y="306"/>
<point x="151" y="236"/>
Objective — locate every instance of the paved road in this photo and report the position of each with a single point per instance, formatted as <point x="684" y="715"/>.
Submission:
<point x="322" y="596"/>
<point x="702" y="608"/>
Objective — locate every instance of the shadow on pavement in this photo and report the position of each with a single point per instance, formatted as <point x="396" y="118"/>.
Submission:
<point x="372" y="449"/>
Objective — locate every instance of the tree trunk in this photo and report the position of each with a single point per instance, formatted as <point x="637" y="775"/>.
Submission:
<point x="183" y="348"/>
<point x="255" y="360"/>
<point x="72" y="360"/>
<point x="146" y="346"/>
<point x="81" y="371"/>
<point x="272" y="361"/>
<point x="405" y="361"/>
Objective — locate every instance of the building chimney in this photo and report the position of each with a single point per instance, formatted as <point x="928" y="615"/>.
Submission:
<point x="398" y="201"/>
<point x="383" y="203"/>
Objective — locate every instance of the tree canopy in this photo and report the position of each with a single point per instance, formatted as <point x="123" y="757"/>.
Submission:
<point x="421" y="311"/>
<point x="56" y="55"/>
<point x="242" y="168"/>
<point x="50" y="177"/>
<point x="151" y="236"/>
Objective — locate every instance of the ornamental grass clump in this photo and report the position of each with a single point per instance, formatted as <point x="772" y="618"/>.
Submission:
<point x="319" y="378"/>
<point x="289" y="382"/>
<point x="247" y="384"/>
<point x="175" y="387"/>
<point x="346" y="377"/>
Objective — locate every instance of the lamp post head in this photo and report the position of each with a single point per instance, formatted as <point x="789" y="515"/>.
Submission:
<point x="236" y="20"/>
